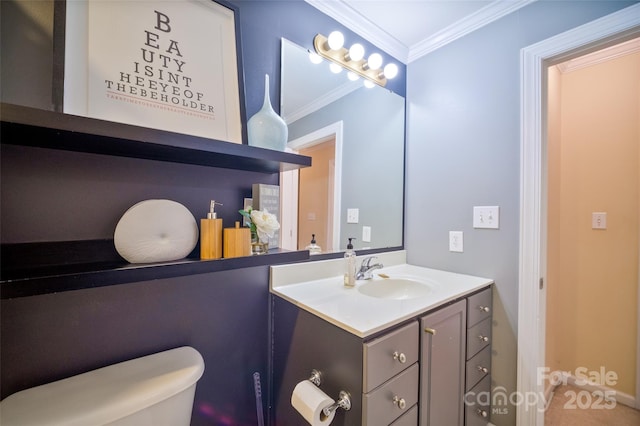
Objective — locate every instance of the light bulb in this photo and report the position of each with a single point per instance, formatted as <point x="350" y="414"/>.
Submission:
<point x="390" y="71"/>
<point x="353" y="76"/>
<point x="374" y="61"/>
<point x="335" y="40"/>
<point x="356" y="52"/>
<point x="315" y="58"/>
<point x="368" y="84"/>
<point x="335" y="68"/>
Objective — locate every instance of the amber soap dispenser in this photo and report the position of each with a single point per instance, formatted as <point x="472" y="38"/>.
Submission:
<point x="211" y="234"/>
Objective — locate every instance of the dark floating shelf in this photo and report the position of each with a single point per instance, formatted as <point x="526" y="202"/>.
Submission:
<point x="30" y="269"/>
<point x="47" y="129"/>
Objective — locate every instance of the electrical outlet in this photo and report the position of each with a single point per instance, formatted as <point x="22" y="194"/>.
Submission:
<point x="456" y="241"/>
<point x="353" y="215"/>
<point x="366" y="234"/>
<point x="486" y="217"/>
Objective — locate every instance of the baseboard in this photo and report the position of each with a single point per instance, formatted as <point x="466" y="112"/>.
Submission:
<point x="620" y="397"/>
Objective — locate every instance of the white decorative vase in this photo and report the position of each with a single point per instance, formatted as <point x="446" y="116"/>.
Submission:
<point x="266" y="129"/>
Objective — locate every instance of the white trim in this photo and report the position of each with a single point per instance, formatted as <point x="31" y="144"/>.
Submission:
<point x="621" y="397"/>
<point x="492" y="12"/>
<point x="608" y="393"/>
<point x="350" y="18"/>
<point x="355" y="21"/>
<point x="314" y="138"/>
<point x="533" y="145"/>
<point x="613" y="52"/>
<point x="289" y="209"/>
<point x="322" y="101"/>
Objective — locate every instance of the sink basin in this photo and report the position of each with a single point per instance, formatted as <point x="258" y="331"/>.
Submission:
<point x="395" y="288"/>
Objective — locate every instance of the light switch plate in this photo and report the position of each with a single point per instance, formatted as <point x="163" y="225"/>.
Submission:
<point x="486" y="217"/>
<point x="366" y="234"/>
<point x="456" y="241"/>
<point x="599" y="220"/>
<point x="353" y="215"/>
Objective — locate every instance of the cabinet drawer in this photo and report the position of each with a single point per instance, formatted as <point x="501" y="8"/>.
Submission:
<point x="388" y="355"/>
<point x="478" y="337"/>
<point x="410" y="418"/>
<point x="478" y="367"/>
<point x="478" y="403"/>
<point x="479" y="307"/>
<point x="392" y="399"/>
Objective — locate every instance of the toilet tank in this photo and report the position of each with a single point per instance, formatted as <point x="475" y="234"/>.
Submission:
<point x="154" y="390"/>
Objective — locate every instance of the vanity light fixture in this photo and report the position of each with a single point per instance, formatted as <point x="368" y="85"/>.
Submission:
<point x="353" y="59"/>
<point x="315" y="58"/>
<point x="335" y="68"/>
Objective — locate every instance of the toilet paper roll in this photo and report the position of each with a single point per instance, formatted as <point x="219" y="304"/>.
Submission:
<point x="309" y="400"/>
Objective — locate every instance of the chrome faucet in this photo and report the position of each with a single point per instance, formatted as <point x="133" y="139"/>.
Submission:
<point x="366" y="269"/>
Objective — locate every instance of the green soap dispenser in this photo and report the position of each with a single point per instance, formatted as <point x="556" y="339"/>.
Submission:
<point x="350" y="265"/>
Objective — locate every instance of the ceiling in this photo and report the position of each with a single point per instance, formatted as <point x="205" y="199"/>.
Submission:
<point x="409" y="29"/>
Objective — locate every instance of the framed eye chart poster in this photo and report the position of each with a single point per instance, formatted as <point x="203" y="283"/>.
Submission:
<point x="163" y="64"/>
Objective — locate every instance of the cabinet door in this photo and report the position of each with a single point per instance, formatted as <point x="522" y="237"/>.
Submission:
<point x="442" y="366"/>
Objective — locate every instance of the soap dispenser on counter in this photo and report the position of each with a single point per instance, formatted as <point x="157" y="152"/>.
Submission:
<point x="313" y="247"/>
<point x="350" y="265"/>
<point x="211" y="234"/>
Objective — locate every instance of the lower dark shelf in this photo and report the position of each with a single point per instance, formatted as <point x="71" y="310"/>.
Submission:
<point x="30" y="281"/>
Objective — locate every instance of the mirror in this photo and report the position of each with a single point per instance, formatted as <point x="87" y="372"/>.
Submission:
<point x="355" y="136"/>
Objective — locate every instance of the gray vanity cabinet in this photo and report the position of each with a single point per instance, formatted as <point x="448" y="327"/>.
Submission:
<point x="390" y="376"/>
<point x="455" y="363"/>
<point x="478" y="365"/>
<point x="380" y="373"/>
<point x="426" y="371"/>
<point x="442" y="365"/>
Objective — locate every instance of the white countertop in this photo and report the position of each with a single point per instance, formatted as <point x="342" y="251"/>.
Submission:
<point x="317" y="287"/>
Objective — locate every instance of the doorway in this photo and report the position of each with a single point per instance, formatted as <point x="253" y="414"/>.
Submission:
<point x="603" y="32"/>
<point x="310" y="198"/>
<point x="592" y="239"/>
<point x="315" y="195"/>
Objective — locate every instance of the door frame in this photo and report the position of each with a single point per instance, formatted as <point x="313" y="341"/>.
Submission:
<point x="534" y="61"/>
<point x="334" y="130"/>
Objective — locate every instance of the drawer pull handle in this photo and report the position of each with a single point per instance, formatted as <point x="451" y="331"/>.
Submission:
<point x="482" y="413"/>
<point x="430" y="331"/>
<point x="400" y="357"/>
<point x="484" y="370"/>
<point x="483" y="338"/>
<point x="484" y="308"/>
<point x="400" y="402"/>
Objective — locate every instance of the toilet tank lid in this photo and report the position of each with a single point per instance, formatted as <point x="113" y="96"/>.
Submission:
<point x="106" y="394"/>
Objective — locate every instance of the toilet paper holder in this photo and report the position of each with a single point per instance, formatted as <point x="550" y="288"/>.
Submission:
<point x="316" y="377"/>
<point x="344" y="399"/>
<point x="344" y="402"/>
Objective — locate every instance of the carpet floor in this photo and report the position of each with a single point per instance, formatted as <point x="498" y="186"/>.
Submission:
<point x="573" y="406"/>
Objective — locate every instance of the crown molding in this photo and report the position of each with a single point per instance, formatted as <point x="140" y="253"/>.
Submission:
<point x="466" y="25"/>
<point x="613" y="52"/>
<point x="365" y="28"/>
<point x="322" y="101"/>
<point x="347" y="16"/>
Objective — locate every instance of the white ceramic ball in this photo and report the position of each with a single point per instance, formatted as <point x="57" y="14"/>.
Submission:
<point x="156" y="231"/>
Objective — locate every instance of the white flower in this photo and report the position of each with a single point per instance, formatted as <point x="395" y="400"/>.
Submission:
<point x="265" y="222"/>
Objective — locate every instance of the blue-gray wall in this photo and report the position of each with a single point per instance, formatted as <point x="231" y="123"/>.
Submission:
<point x="372" y="162"/>
<point x="52" y="195"/>
<point x="463" y="151"/>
